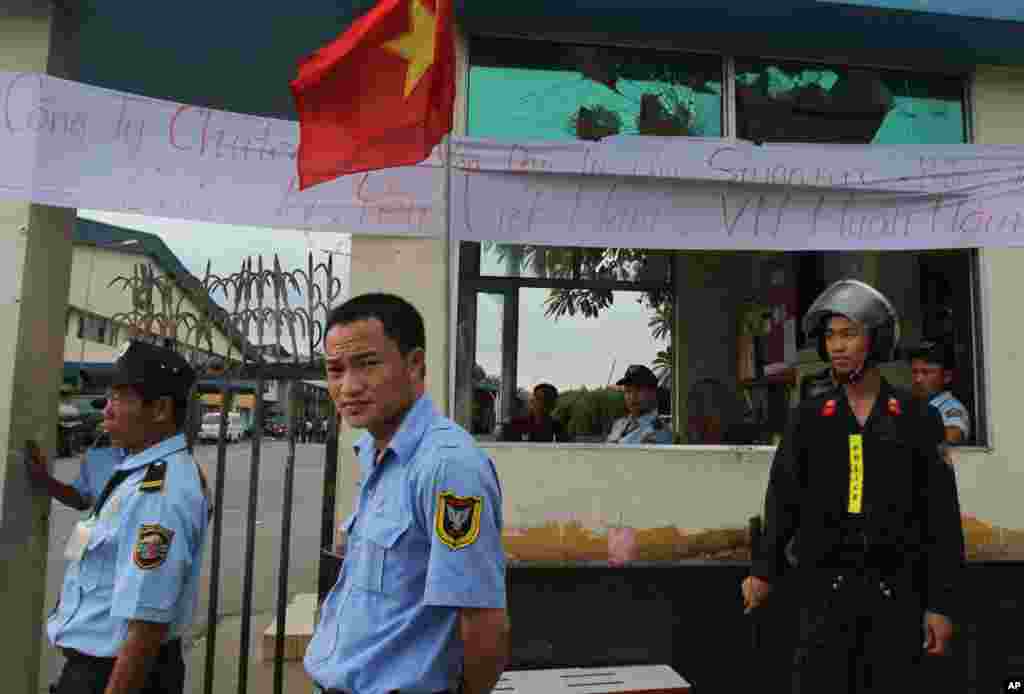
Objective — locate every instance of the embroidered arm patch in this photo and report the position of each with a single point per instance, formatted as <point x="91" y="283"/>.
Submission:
<point x="152" y="546"/>
<point x="458" y="519"/>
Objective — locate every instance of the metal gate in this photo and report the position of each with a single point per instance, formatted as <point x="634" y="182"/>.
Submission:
<point x="274" y="321"/>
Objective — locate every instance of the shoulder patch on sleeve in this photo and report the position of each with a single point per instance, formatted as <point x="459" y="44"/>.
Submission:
<point x="152" y="546"/>
<point x="953" y="413"/>
<point x="457" y="522"/>
<point x="154" y="479"/>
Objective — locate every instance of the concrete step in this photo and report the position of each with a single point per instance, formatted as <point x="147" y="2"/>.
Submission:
<point x="300" y="616"/>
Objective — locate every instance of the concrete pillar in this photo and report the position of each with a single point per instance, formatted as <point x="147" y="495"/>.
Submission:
<point x="708" y="288"/>
<point x="35" y="264"/>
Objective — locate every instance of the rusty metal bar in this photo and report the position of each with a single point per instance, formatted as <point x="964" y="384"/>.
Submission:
<point x="286" y="534"/>
<point x="250" y="543"/>
<point x="212" y="618"/>
<point x="330" y="484"/>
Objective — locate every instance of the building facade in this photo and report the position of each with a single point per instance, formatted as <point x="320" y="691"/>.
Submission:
<point x="818" y="71"/>
<point x="811" y="72"/>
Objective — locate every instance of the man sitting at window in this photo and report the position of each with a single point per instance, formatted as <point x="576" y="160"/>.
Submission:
<point x="537" y="426"/>
<point x="641" y="423"/>
<point x="931" y="368"/>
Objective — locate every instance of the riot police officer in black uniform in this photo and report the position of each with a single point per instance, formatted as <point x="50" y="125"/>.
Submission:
<point x="858" y="493"/>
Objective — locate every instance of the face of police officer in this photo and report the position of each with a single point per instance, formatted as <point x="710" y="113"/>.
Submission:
<point x="135" y="424"/>
<point x="848" y="345"/>
<point x="640" y="399"/>
<point x="928" y="379"/>
<point x="370" y="381"/>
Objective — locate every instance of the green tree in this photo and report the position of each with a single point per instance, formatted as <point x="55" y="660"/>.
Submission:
<point x="589" y="413"/>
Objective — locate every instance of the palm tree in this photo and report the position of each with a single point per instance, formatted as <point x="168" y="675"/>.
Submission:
<point x="663" y="367"/>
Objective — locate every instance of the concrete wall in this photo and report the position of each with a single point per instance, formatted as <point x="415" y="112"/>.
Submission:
<point x="562" y="502"/>
<point x="990" y="481"/>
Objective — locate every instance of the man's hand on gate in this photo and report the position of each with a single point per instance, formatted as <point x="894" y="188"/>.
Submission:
<point x="938" y="633"/>
<point x="755" y="590"/>
<point x="37" y="468"/>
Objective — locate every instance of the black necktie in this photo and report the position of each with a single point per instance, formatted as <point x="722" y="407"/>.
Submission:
<point x="112" y="483"/>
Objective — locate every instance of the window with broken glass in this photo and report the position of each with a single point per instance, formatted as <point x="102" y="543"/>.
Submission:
<point x="577" y="317"/>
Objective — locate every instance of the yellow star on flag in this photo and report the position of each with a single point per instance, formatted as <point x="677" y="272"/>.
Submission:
<point x="416" y="45"/>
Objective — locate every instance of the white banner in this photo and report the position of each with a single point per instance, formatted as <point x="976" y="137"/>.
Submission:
<point x="74" y="145"/>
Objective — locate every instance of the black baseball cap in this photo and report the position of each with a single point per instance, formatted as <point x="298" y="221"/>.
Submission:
<point x="934" y="352"/>
<point x="638" y="375"/>
<point x="156" y="371"/>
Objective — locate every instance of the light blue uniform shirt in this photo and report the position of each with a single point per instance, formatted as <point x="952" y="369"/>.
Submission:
<point x="127" y="572"/>
<point x="424" y="541"/>
<point x="642" y="429"/>
<point x="953" y="412"/>
<point x="96" y="469"/>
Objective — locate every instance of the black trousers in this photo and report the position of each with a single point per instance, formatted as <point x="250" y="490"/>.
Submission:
<point x="86" y="674"/>
<point x="858" y="635"/>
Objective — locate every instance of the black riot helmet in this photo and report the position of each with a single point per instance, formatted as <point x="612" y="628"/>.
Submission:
<point x="862" y="303"/>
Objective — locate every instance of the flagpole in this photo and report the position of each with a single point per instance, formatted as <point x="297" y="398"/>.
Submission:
<point x="451" y="292"/>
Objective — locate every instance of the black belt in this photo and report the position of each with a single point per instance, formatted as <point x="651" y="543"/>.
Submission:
<point x="72" y="654"/>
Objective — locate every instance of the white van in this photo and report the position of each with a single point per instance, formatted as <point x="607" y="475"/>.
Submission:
<point x="210" y="429"/>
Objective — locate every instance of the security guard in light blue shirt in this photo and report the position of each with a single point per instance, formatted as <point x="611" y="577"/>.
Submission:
<point x="134" y="562"/>
<point x="641" y="425"/>
<point x="425" y="537"/>
<point x="932" y="367"/>
<point x="953" y="412"/>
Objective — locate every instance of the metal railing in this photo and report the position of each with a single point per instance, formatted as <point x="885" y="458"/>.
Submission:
<point x="274" y="323"/>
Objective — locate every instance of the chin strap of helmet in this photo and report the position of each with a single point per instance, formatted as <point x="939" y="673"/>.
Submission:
<point x="857" y="374"/>
<point x="851" y="378"/>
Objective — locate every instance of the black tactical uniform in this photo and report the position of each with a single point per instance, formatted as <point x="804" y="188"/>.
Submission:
<point x="874" y="523"/>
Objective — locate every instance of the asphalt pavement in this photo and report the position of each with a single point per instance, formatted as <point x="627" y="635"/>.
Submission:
<point x="302" y="574"/>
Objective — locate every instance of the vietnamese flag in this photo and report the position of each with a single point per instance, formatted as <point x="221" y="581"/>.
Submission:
<point x="380" y="95"/>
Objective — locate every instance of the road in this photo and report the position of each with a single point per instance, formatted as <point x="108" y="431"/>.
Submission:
<point x="305" y="535"/>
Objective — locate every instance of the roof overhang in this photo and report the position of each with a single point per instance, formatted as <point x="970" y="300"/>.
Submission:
<point x="241" y="58"/>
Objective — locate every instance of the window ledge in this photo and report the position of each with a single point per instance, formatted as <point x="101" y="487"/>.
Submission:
<point x="582" y="564"/>
<point x="975" y="449"/>
<point x="680" y="448"/>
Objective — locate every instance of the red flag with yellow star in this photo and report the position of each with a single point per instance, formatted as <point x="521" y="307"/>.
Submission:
<point x="380" y="95"/>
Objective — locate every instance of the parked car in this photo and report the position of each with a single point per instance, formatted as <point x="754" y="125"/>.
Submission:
<point x="276" y="429"/>
<point x="210" y="428"/>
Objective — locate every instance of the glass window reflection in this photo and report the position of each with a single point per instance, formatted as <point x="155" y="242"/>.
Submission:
<point x="524" y="90"/>
<point x="792" y="102"/>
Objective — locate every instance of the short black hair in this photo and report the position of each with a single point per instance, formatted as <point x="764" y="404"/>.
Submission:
<point x="180" y="404"/>
<point x="401" y="321"/>
<point x="552" y="392"/>
<point x="934" y="352"/>
<point x="180" y="408"/>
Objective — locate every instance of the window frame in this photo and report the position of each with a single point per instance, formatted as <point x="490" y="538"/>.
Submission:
<point x="461" y="284"/>
<point x="471" y="284"/>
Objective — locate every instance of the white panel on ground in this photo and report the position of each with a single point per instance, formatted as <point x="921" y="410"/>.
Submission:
<point x="650" y="679"/>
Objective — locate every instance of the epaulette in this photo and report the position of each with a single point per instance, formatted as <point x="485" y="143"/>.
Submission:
<point x="154" y="479"/>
